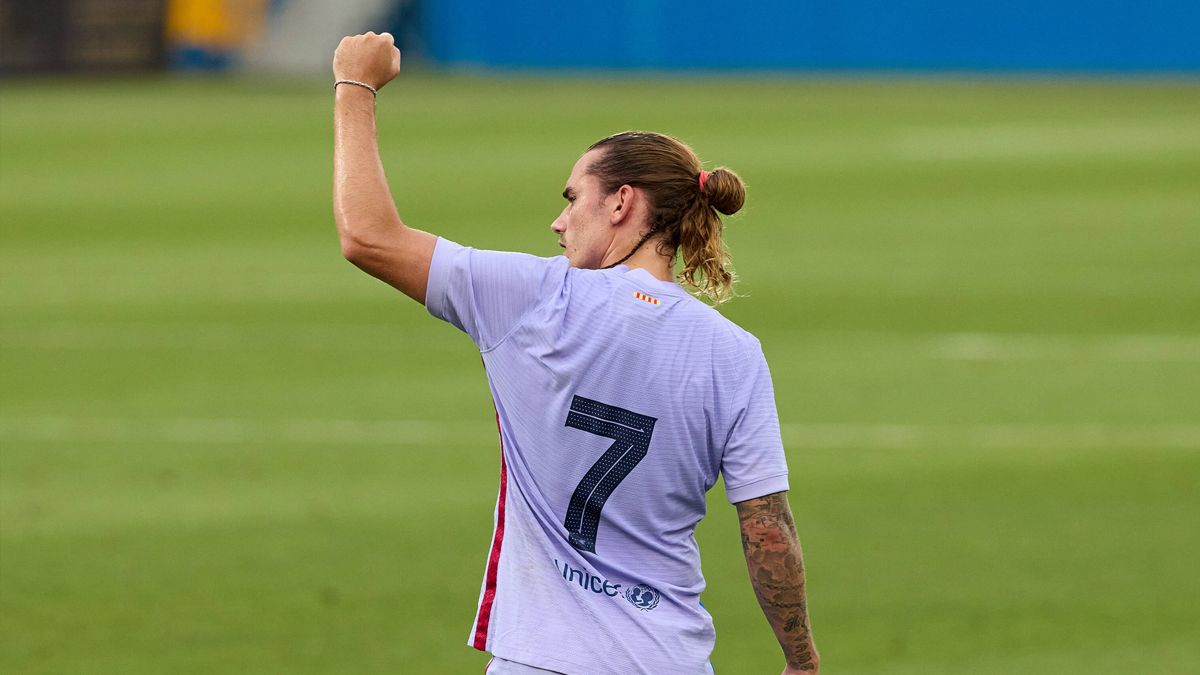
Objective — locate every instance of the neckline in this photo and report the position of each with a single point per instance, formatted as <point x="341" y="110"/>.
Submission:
<point x="639" y="275"/>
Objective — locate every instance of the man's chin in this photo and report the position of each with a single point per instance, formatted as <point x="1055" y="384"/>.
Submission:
<point x="574" y="262"/>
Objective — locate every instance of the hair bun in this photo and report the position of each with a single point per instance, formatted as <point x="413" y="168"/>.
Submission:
<point x="725" y="191"/>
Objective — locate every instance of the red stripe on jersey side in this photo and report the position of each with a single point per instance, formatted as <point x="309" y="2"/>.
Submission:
<point x="489" y="590"/>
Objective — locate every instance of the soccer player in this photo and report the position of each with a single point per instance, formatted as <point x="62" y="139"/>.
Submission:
<point x="619" y="399"/>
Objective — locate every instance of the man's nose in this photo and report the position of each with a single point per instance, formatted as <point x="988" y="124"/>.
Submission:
<point x="557" y="226"/>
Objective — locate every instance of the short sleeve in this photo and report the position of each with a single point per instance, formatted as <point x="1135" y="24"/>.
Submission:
<point x="753" y="462"/>
<point x="486" y="293"/>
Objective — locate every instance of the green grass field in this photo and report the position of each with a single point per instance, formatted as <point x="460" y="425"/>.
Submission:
<point x="224" y="449"/>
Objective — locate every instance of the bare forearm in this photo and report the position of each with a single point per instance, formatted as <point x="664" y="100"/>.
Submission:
<point x="776" y="567"/>
<point x="362" y="203"/>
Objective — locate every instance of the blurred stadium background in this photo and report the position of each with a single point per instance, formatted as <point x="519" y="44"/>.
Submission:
<point x="971" y="251"/>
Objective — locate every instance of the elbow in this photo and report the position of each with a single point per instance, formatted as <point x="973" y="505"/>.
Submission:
<point x="363" y="255"/>
<point x="352" y="247"/>
<point x="355" y="241"/>
<point x="353" y="250"/>
<point x="363" y="238"/>
<point x="349" y="233"/>
<point x="369" y="254"/>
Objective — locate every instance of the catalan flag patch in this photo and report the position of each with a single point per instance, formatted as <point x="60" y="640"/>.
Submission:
<point x="642" y="296"/>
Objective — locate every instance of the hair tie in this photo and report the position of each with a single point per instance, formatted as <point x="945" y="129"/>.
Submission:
<point x="704" y="178"/>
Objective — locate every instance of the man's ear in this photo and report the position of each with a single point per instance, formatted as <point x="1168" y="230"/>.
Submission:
<point x="623" y="205"/>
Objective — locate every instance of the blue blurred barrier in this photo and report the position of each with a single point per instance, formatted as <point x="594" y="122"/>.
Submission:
<point x="1020" y="35"/>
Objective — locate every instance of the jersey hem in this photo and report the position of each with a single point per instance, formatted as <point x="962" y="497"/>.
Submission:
<point x="535" y="660"/>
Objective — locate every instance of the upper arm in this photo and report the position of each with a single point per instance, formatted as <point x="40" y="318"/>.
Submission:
<point x="401" y="260"/>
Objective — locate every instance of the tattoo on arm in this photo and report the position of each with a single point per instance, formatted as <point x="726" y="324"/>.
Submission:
<point x="777" y="573"/>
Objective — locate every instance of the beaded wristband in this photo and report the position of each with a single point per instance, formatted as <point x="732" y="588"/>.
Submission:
<point x="373" y="90"/>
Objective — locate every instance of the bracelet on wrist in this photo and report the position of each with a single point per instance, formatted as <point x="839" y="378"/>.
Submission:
<point x="373" y="90"/>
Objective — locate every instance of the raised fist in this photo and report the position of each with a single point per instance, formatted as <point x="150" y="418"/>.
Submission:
<point x="368" y="58"/>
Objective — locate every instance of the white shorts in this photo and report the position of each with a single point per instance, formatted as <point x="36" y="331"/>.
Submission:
<point x="499" y="666"/>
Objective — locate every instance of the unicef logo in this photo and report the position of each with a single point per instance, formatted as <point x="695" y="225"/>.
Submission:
<point x="643" y="597"/>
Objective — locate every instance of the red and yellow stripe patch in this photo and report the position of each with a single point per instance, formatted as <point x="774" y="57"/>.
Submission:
<point x="642" y="296"/>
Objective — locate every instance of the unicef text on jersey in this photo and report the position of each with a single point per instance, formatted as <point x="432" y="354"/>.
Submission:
<point x="642" y="596"/>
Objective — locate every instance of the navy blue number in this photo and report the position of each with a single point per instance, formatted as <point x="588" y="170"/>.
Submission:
<point x="631" y="438"/>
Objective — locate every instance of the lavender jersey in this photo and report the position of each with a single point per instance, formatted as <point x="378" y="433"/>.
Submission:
<point x="619" y="399"/>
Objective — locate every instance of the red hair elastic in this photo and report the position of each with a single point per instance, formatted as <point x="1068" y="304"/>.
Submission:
<point x="704" y="179"/>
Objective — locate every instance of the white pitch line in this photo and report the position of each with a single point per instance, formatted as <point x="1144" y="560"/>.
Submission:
<point x="1008" y="347"/>
<point x="231" y="430"/>
<point x="211" y="336"/>
<point x="308" y="432"/>
<point x="990" y="436"/>
<point x="1023" y="142"/>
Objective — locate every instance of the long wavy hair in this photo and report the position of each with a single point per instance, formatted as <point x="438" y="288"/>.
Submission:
<point x="683" y="217"/>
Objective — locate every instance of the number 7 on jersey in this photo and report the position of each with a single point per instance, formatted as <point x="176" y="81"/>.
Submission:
<point x="631" y="439"/>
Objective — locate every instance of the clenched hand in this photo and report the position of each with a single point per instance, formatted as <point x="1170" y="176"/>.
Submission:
<point x="368" y="58"/>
